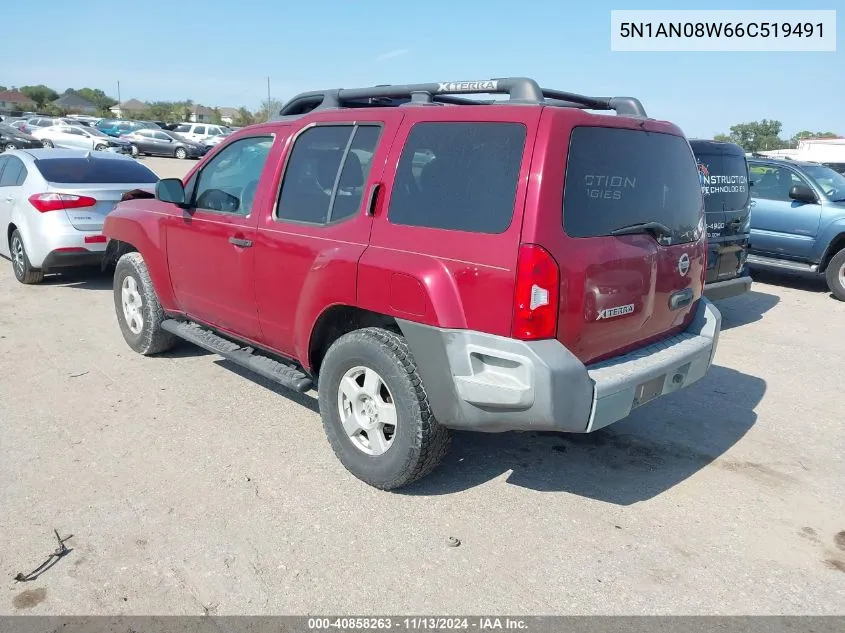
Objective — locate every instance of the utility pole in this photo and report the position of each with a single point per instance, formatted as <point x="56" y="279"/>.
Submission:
<point x="268" y="99"/>
<point x="119" y="102"/>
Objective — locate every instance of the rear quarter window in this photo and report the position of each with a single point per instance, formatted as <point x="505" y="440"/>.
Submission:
<point x="458" y="176"/>
<point x="94" y="171"/>
<point x="619" y="177"/>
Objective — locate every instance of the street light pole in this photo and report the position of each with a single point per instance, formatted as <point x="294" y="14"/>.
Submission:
<point x="269" y="100"/>
<point x="119" y="102"/>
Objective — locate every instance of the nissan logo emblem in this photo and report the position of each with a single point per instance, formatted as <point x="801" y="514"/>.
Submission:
<point x="683" y="264"/>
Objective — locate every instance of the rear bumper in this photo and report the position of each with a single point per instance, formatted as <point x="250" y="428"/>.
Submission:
<point x="59" y="260"/>
<point x="482" y="382"/>
<point x="727" y="288"/>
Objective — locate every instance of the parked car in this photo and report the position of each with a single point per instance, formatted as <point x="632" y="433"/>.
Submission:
<point x="162" y="143"/>
<point x="214" y="141"/>
<point x="19" y="124"/>
<point x="798" y="220"/>
<point x="13" y="138"/>
<point x="200" y="132"/>
<point x="723" y="173"/>
<point x="41" y="121"/>
<point x="541" y="270"/>
<point x="77" y="137"/>
<point x="116" y="128"/>
<point x="52" y="206"/>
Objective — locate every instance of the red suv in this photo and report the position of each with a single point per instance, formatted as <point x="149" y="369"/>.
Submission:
<point x="435" y="261"/>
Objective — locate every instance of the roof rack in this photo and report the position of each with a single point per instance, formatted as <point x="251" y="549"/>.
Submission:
<point x="520" y="90"/>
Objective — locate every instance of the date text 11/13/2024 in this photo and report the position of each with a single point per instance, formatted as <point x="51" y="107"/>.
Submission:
<point x="418" y="624"/>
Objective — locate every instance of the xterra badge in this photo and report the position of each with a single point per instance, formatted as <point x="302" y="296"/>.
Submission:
<point x="609" y="313"/>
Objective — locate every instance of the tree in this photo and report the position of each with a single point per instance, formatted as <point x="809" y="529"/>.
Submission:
<point x="757" y="136"/>
<point x="722" y="138"/>
<point x="95" y="96"/>
<point x="41" y="94"/>
<point x="216" y="117"/>
<point x="268" y="109"/>
<point x="3" y="88"/>
<point x="244" y="117"/>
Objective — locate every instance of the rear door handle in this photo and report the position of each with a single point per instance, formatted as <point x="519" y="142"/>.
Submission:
<point x="239" y="241"/>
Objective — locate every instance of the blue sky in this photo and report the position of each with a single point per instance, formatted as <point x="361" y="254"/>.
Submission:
<point x="221" y="54"/>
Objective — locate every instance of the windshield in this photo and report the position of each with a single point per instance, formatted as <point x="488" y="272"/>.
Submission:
<point x="94" y="170"/>
<point x="617" y="178"/>
<point x="830" y="181"/>
<point x="724" y="181"/>
<point x="94" y="131"/>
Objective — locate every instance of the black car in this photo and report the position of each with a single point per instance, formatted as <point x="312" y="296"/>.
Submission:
<point x="163" y="143"/>
<point x="723" y="173"/>
<point x="13" y="138"/>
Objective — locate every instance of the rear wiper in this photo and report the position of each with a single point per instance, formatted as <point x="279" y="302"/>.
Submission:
<point x="657" y="229"/>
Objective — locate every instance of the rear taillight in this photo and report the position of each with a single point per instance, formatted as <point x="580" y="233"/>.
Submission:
<point x="59" y="201"/>
<point x="537" y="294"/>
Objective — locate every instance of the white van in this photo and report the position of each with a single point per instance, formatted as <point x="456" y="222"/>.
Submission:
<point x="200" y="132"/>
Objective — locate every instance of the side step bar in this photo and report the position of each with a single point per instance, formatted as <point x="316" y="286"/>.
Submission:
<point x="782" y="264"/>
<point x="286" y="375"/>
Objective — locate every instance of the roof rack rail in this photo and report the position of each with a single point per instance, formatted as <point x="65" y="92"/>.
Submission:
<point x="520" y="90"/>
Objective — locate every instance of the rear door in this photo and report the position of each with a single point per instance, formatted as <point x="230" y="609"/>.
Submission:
<point x="622" y="285"/>
<point x="310" y="245"/>
<point x="724" y="186"/>
<point x="781" y="226"/>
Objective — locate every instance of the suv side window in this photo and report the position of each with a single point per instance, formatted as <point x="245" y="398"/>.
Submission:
<point x="772" y="182"/>
<point x="14" y="173"/>
<point x="200" y="129"/>
<point x="458" y="176"/>
<point x="315" y="188"/>
<point x="227" y="184"/>
<point x="182" y="128"/>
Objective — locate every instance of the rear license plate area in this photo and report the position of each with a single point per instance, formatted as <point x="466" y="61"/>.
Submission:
<point x="649" y="390"/>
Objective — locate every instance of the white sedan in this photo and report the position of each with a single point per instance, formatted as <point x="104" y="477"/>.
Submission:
<point x="79" y="137"/>
<point x="53" y="203"/>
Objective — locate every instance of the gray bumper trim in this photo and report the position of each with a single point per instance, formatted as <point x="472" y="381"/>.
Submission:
<point x="482" y="382"/>
<point x="727" y="288"/>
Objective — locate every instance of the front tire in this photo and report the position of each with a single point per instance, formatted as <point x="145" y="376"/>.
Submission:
<point x="24" y="272"/>
<point x="100" y="148"/>
<point x="835" y="275"/>
<point x="181" y="153"/>
<point x="134" y="151"/>
<point x="9" y="147"/>
<point x="139" y="313"/>
<point x="47" y="143"/>
<point x="375" y="410"/>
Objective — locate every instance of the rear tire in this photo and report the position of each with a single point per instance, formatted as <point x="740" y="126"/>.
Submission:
<point x="181" y="153"/>
<point x="24" y="272"/>
<point x="138" y="311"/>
<point x="100" y="148"/>
<point x="9" y="147"/>
<point x="134" y="151"/>
<point x="47" y="143"/>
<point x="416" y="444"/>
<point x="835" y="275"/>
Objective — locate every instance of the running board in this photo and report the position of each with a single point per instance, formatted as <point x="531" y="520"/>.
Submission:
<point x="286" y="375"/>
<point x="782" y="264"/>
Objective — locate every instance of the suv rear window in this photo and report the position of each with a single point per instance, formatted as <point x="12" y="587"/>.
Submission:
<point x="94" y="170"/>
<point x="458" y="176"/>
<point x="617" y="177"/>
<point x="724" y="181"/>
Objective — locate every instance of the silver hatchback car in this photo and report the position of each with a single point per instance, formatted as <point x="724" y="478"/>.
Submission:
<point x="53" y="203"/>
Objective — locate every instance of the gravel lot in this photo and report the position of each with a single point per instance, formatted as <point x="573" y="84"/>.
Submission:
<point x="190" y="487"/>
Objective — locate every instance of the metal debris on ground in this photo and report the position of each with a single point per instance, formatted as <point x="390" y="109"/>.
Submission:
<point x="453" y="542"/>
<point x="58" y="553"/>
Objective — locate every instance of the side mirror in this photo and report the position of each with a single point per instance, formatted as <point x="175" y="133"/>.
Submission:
<point x="802" y="193"/>
<point x="170" y="190"/>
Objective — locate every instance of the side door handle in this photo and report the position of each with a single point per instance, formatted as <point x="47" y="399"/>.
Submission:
<point x="370" y="209"/>
<point x="239" y="241"/>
